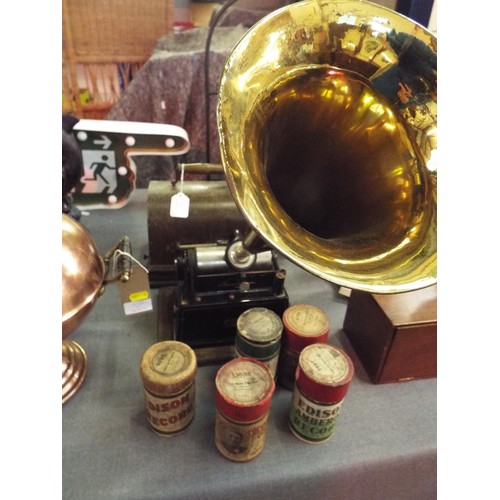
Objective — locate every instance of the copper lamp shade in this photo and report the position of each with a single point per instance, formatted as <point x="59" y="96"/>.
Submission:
<point x="83" y="273"/>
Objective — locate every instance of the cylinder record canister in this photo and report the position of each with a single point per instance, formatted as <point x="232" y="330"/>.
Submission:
<point x="304" y="324"/>
<point x="244" y="389"/>
<point x="168" y="371"/>
<point x="323" y="376"/>
<point x="259" y="336"/>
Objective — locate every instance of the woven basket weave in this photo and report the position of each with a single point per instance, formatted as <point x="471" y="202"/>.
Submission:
<point x="104" y="43"/>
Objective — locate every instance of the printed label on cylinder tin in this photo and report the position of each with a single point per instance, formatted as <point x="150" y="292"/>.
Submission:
<point x="272" y="363"/>
<point x="310" y="421"/>
<point x="260" y="325"/>
<point x="324" y="364"/>
<point x="307" y="319"/>
<point x="239" y="441"/>
<point x="245" y="383"/>
<point x="170" y="414"/>
<point x="169" y="362"/>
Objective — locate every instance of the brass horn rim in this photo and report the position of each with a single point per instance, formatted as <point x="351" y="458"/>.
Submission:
<point x="249" y="73"/>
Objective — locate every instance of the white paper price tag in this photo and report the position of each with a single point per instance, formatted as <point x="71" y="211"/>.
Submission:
<point x="135" y="293"/>
<point x="179" y="205"/>
<point x="137" y="307"/>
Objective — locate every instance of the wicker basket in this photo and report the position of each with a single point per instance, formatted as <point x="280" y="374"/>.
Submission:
<point x="104" y="43"/>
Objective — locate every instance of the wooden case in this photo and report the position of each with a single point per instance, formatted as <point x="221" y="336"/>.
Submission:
<point x="394" y="336"/>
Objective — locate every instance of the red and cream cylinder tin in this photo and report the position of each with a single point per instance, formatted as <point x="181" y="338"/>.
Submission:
<point x="244" y="389"/>
<point x="304" y="324"/>
<point x="168" y="371"/>
<point x="323" y="376"/>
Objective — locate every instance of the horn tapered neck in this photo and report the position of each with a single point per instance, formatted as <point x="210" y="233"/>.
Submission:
<point x="242" y="252"/>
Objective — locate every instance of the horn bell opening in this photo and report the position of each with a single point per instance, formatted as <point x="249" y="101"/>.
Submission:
<point x="324" y="166"/>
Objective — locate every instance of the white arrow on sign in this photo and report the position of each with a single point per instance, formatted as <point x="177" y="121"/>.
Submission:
<point x="106" y="141"/>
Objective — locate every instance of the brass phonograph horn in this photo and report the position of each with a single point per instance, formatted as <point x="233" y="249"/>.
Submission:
<point x="328" y="127"/>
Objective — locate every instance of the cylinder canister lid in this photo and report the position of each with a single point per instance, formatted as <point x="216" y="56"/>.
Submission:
<point x="259" y="332"/>
<point x="244" y="389"/>
<point x="304" y="325"/>
<point x="324" y="373"/>
<point x="168" y="367"/>
<point x="259" y="325"/>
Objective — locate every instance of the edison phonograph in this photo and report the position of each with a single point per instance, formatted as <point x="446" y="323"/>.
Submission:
<point x="328" y="133"/>
<point x="328" y="128"/>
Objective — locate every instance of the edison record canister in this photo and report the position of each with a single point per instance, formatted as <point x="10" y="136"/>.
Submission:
<point x="259" y="336"/>
<point x="244" y="389"/>
<point x="323" y="376"/>
<point x="168" y="371"/>
<point x="304" y="324"/>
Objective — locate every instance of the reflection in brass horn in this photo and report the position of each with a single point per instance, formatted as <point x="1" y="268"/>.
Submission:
<point x="327" y="119"/>
<point x="84" y="276"/>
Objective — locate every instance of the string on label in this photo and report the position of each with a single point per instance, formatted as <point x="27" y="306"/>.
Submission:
<point x="179" y="203"/>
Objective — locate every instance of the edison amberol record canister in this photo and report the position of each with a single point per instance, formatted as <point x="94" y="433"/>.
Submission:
<point x="304" y="324"/>
<point x="244" y="389"/>
<point x="168" y="372"/>
<point x="322" y="379"/>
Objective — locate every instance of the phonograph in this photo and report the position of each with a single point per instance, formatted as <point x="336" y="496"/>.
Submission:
<point x="327" y="119"/>
<point x="328" y="134"/>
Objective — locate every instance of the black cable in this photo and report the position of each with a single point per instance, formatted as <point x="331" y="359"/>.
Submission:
<point x="213" y="23"/>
